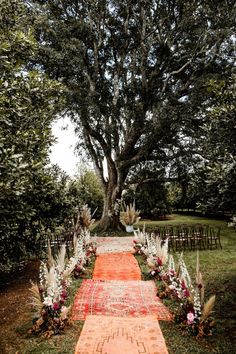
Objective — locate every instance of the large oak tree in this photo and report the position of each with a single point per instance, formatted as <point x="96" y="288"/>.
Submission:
<point x="135" y="73"/>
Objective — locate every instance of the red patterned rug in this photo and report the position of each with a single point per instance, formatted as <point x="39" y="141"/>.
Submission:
<point x="118" y="298"/>
<point x="116" y="266"/>
<point x="115" y="335"/>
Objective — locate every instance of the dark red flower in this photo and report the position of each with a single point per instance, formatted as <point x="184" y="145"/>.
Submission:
<point x="56" y="306"/>
<point x="186" y="293"/>
<point x="183" y="285"/>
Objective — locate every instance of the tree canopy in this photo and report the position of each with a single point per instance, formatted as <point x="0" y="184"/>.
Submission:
<point x="136" y="76"/>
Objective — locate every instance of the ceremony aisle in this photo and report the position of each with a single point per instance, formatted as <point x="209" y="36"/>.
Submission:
<point x="121" y="311"/>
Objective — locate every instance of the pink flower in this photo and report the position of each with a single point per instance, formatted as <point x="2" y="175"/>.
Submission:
<point x="56" y="320"/>
<point x="171" y="272"/>
<point x="190" y="318"/>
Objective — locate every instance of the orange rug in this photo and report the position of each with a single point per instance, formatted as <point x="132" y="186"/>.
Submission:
<point x="115" y="335"/>
<point x="118" y="298"/>
<point x="116" y="266"/>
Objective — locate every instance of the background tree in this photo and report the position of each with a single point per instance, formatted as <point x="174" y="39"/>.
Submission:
<point x="30" y="194"/>
<point x="217" y="171"/>
<point x="85" y="189"/>
<point x="135" y="74"/>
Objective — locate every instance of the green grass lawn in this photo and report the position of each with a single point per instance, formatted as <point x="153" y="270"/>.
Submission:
<point x="218" y="269"/>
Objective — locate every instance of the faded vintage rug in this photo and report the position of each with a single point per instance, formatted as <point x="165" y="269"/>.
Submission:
<point x="116" y="335"/>
<point x="118" y="298"/>
<point x="116" y="266"/>
<point x="114" y="244"/>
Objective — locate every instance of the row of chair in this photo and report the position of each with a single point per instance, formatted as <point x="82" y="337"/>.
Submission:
<point x="190" y="237"/>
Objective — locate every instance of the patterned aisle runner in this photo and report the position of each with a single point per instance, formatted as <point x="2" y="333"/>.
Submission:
<point x="120" y="310"/>
<point x="114" y="244"/>
<point x="115" y="335"/>
<point x="116" y="266"/>
<point x="118" y="298"/>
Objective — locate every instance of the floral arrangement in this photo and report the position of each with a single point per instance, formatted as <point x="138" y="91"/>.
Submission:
<point x="50" y="295"/>
<point x="157" y="268"/>
<point x="130" y="215"/>
<point x="80" y="255"/>
<point x="153" y="247"/>
<point x="191" y="312"/>
<point x="85" y="250"/>
<point x="140" y="241"/>
<point x="157" y="247"/>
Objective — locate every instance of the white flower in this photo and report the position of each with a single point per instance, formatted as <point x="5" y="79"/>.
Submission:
<point x="145" y="251"/>
<point x="48" y="301"/>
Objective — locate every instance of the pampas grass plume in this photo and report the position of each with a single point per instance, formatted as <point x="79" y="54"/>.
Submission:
<point x="36" y="298"/>
<point x="208" y="307"/>
<point x="50" y="261"/>
<point x="60" y="259"/>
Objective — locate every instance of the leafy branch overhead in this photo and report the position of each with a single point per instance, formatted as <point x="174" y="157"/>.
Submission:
<point x="136" y="77"/>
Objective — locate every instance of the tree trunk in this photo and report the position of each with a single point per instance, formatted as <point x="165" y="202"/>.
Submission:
<point x="110" y="219"/>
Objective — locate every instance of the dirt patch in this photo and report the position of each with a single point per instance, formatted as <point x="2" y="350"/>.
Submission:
<point x="15" y="308"/>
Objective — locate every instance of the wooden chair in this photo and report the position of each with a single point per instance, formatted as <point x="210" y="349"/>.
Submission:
<point x="213" y="238"/>
<point x="182" y="239"/>
<point x="198" y="237"/>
